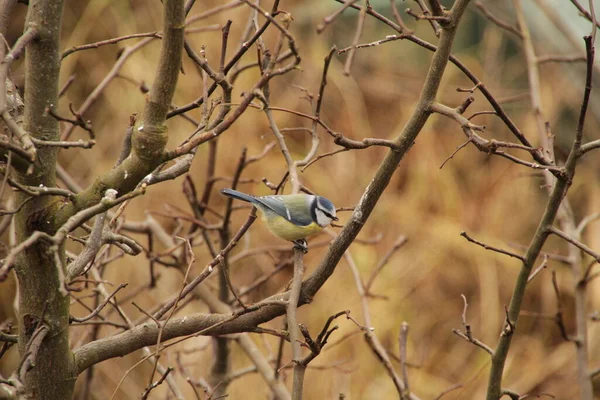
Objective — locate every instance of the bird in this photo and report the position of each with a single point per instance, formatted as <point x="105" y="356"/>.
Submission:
<point x="292" y="217"/>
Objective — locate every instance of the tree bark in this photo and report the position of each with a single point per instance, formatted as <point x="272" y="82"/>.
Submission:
<point x="40" y="299"/>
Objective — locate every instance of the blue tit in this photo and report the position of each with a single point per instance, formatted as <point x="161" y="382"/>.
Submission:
<point x="291" y="217"/>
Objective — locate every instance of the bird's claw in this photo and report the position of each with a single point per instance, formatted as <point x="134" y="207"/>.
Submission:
<point x="301" y="244"/>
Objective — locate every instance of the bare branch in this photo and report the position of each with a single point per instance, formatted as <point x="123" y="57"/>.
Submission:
<point x="92" y="247"/>
<point x="450" y="389"/>
<point x="100" y="306"/>
<point x="560" y="59"/>
<point x="331" y="18"/>
<point x="157" y="383"/>
<point x="371" y="339"/>
<point x="586" y="221"/>
<point x="575" y="242"/>
<point x="29" y="358"/>
<point x="101" y="43"/>
<point x="589" y="15"/>
<point x="485" y="246"/>
<point x="5" y="337"/>
<point x="559" y="310"/>
<point x="208" y="269"/>
<point x="359" y="28"/>
<point x="317" y="113"/>
<point x="113" y="73"/>
<point x="539" y="269"/>
<point x="400" y="241"/>
<point x="504" y="25"/>
<point x="434" y="24"/>
<point x="402" y="339"/>
<point x="398" y="18"/>
<point x="292" y="324"/>
<point x="468" y="335"/>
<point x="25" y="138"/>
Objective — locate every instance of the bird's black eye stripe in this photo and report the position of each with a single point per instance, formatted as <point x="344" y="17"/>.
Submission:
<point x="326" y="213"/>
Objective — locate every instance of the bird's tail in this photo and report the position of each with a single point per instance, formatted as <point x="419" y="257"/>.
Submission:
<point x="238" y="195"/>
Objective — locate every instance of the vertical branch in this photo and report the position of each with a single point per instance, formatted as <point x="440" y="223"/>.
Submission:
<point x="292" y="170"/>
<point x="575" y="254"/>
<point x="247" y="345"/>
<point x="533" y="74"/>
<point x="292" y="323"/>
<point x="371" y="339"/>
<point x="317" y="112"/>
<point x="436" y="8"/>
<point x="402" y="339"/>
<point x="565" y="216"/>
<point x="149" y="355"/>
<point x="221" y="366"/>
<point x="269" y="61"/>
<point x="557" y="196"/>
<point x="6" y="7"/>
<point x="210" y="174"/>
<point x="434" y="24"/>
<point x="161" y="94"/>
<point x="594" y="20"/>
<point x="263" y="367"/>
<point x="359" y="28"/>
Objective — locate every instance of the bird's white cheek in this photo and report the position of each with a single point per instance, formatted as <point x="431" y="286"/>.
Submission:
<point x="322" y="219"/>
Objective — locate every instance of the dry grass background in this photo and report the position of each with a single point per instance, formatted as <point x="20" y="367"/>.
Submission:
<point x="490" y="198"/>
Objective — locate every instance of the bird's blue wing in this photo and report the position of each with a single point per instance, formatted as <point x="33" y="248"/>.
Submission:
<point x="278" y="206"/>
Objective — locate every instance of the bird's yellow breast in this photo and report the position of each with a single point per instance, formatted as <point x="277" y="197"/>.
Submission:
<point x="283" y="228"/>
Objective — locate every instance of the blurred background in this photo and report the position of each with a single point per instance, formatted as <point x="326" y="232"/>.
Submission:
<point x="492" y="199"/>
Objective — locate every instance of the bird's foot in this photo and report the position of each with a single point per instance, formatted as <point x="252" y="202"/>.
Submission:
<point x="301" y="244"/>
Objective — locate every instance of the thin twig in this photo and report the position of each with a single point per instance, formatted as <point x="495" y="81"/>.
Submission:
<point x="100" y="306"/>
<point x="558" y="318"/>
<point x="371" y="339"/>
<point x="485" y="246"/>
<point x="358" y="33"/>
<point x="157" y="383"/>
<point x="101" y="43"/>
<point x="539" y="269"/>
<point x="467" y="334"/>
<point x="331" y="18"/>
<point x="402" y="339"/>
<point x="504" y="25"/>
<point x="575" y="243"/>
<point x="434" y="24"/>
<point x="400" y="241"/>
<point x="209" y="267"/>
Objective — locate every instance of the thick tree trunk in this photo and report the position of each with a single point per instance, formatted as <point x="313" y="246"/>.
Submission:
<point x="41" y="301"/>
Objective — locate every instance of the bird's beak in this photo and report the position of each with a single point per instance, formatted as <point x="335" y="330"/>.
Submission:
<point x="336" y="219"/>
